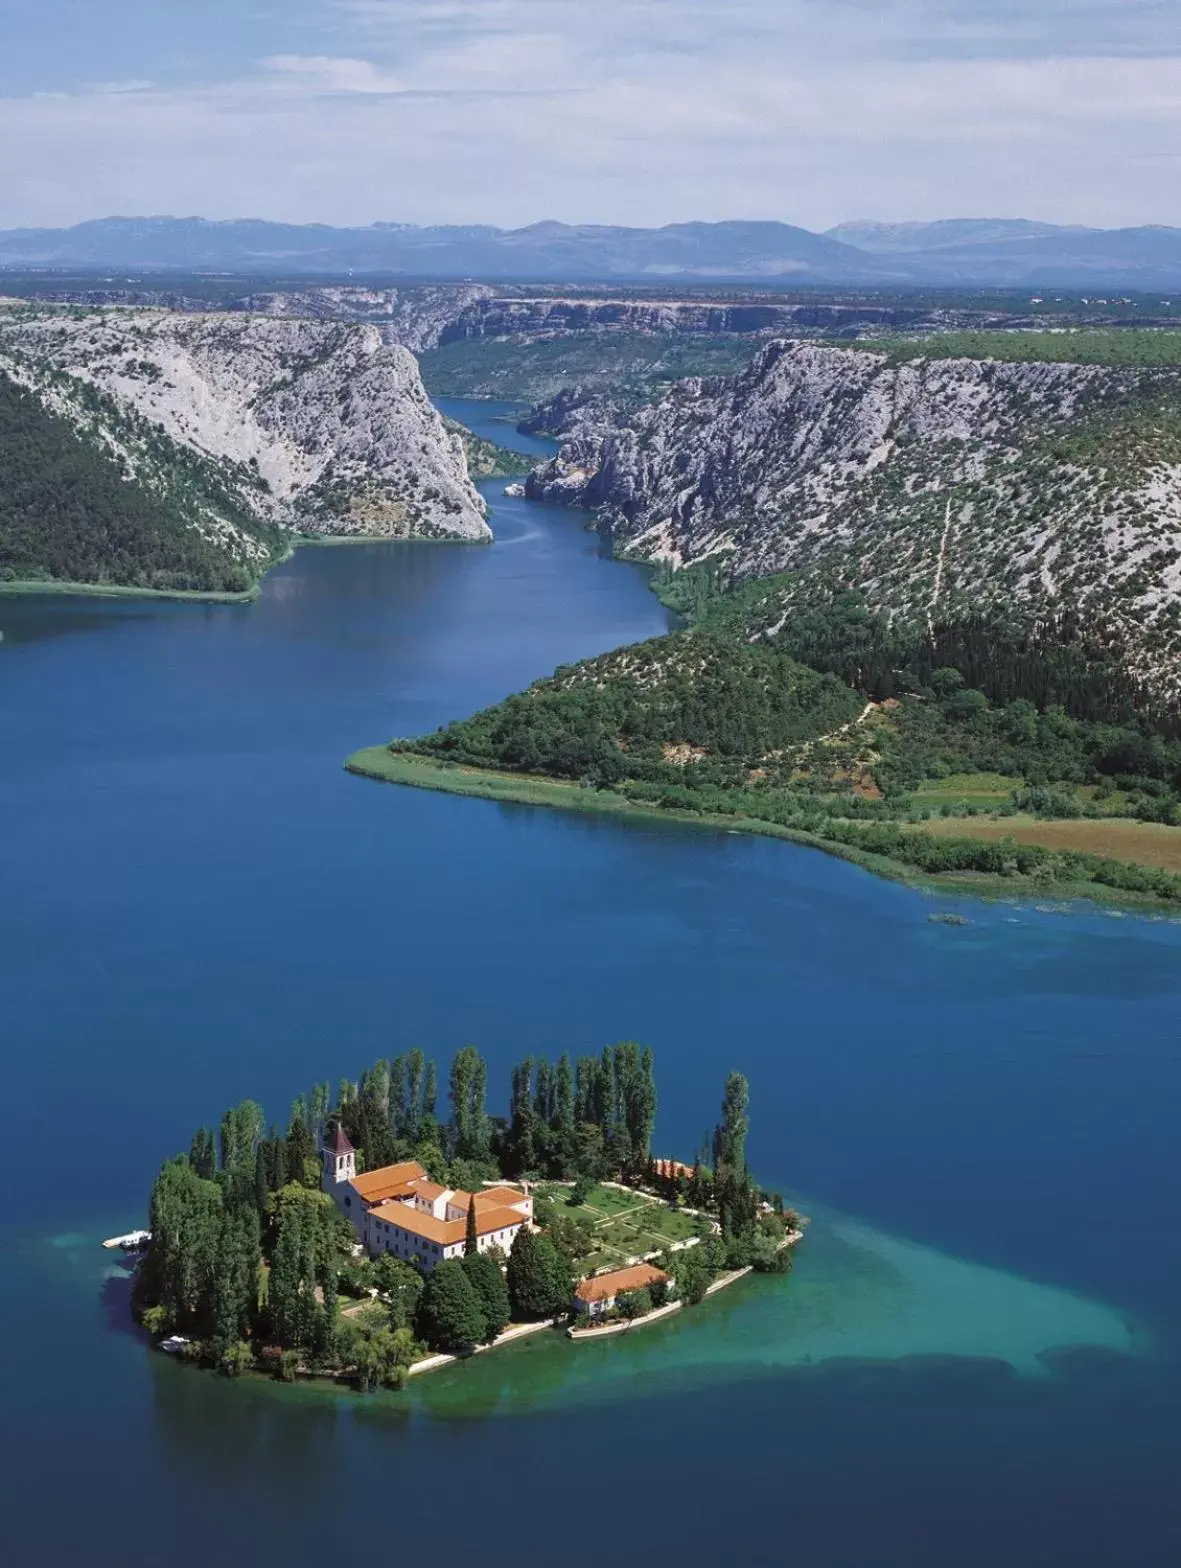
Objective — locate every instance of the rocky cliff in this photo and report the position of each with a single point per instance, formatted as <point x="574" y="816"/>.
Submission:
<point x="315" y="426"/>
<point x="935" y="487"/>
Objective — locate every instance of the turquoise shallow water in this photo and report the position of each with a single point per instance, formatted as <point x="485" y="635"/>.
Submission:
<point x="197" y="903"/>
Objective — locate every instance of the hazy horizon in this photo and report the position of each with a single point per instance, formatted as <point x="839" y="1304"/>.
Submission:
<point x="508" y="112"/>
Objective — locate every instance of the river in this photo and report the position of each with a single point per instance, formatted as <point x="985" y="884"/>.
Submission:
<point x="976" y="1358"/>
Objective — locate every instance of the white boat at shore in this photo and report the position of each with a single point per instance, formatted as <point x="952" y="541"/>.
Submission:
<point x="514" y="489"/>
<point x="134" y="1241"/>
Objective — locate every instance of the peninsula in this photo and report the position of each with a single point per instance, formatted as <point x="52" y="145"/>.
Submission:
<point x="932" y="613"/>
<point x="373" y="1239"/>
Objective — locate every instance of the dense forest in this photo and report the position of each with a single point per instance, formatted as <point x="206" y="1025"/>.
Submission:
<point x="619" y="716"/>
<point x="256" y="1266"/>
<point x="828" y="725"/>
<point x="70" y="513"/>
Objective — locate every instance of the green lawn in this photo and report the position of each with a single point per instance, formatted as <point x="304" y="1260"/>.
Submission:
<point x="626" y="1224"/>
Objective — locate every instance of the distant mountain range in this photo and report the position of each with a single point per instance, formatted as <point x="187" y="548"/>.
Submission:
<point x="962" y="252"/>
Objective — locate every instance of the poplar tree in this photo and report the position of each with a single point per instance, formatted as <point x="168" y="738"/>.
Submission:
<point x="399" y="1118"/>
<point x="564" y="1098"/>
<point x="235" y="1278"/>
<point x="522" y="1149"/>
<point x="415" y="1068"/>
<point x="318" y="1104"/>
<point x="178" y="1268"/>
<point x="203" y="1154"/>
<point x="469" y="1089"/>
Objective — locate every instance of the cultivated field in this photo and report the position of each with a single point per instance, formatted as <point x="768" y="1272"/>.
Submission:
<point x="1139" y="843"/>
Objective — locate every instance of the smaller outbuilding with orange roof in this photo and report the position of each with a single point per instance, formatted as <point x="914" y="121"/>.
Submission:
<point x="599" y="1294"/>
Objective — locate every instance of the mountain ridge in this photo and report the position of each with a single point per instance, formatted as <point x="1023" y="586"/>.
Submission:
<point x="1012" y="253"/>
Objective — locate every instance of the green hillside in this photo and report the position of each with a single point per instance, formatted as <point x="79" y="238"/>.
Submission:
<point x="71" y="510"/>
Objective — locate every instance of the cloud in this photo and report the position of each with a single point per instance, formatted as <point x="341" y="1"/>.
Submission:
<point x="642" y="111"/>
<point x="335" y="75"/>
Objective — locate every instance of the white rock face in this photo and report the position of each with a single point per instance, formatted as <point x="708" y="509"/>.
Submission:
<point x="935" y="487"/>
<point x="328" y="426"/>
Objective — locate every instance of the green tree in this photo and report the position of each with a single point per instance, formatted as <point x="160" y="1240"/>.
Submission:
<point x="318" y="1105"/>
<point x="729" y="1143"/>
<point x="469" y="1120"/>
<point x="590" y="1156"/>
<point x="236" y="1359"/>
<point x="538" y="1277"/>
<point x="415" y="1068"/>
<point x="488" y="1283"/>
<point x="563" y="1125"/>
<point x="520" y="1153"/>
<point x="692" y="1275"/>
<point x="400" y="1287"/>
<point x="179" y="1267"/>
<point x="203" y="1154"/>
<point x="450" y="1314"/>
<point x="471" y="1239"/>
<point x="235" y="1277"/>
<point x="634" y="1304"/>
<point x="241" y="1129"/>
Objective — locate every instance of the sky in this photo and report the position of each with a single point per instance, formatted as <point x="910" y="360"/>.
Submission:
<point x="599" y="111"/>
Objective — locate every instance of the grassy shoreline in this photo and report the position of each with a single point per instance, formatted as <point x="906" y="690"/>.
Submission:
<point x="421" y="772"/>
<point x="25" y="587"/>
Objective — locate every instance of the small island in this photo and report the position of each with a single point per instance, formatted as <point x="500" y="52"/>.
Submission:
<point x="374" y="1240"/>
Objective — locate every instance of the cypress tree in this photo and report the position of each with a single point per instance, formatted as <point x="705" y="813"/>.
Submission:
<point x="488" y="1283"/>
<point x="538" y="1284"/>
<point x="450" y="1315"/>
<point x="471" y="1239"/>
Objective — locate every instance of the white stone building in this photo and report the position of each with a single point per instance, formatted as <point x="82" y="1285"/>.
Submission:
<point x="399" y="1210"/>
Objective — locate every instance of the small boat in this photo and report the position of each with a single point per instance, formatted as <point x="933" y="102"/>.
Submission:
<point x="174" y="1344"/>
<point x="134" y="1241"/>
<point x="514" y="489"/>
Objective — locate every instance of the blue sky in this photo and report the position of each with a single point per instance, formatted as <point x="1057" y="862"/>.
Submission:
<point x="635" y="111"/>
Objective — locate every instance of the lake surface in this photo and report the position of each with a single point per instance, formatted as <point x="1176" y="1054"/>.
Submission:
<point x="976" y="1358"/>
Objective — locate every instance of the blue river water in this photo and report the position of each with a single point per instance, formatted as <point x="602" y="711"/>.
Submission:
<point x="977" y="1357"/>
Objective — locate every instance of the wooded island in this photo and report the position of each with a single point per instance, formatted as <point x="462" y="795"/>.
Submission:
<point x="374" y="1233"/>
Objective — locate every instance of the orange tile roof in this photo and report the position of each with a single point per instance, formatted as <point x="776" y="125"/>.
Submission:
<point x="417" y="1222"/>
<point x="429" y="1190"/>
<point x="376" y="1186"/>
<point x="603" y="1287"/>
<point x="497" y="1197"/>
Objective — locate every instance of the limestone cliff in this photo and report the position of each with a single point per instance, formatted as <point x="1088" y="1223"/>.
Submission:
<point x="935" y="487"/>
<point x="315" y="426"/>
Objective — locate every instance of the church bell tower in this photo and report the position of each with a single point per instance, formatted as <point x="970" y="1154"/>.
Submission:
<point x="340" y="1159"/>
